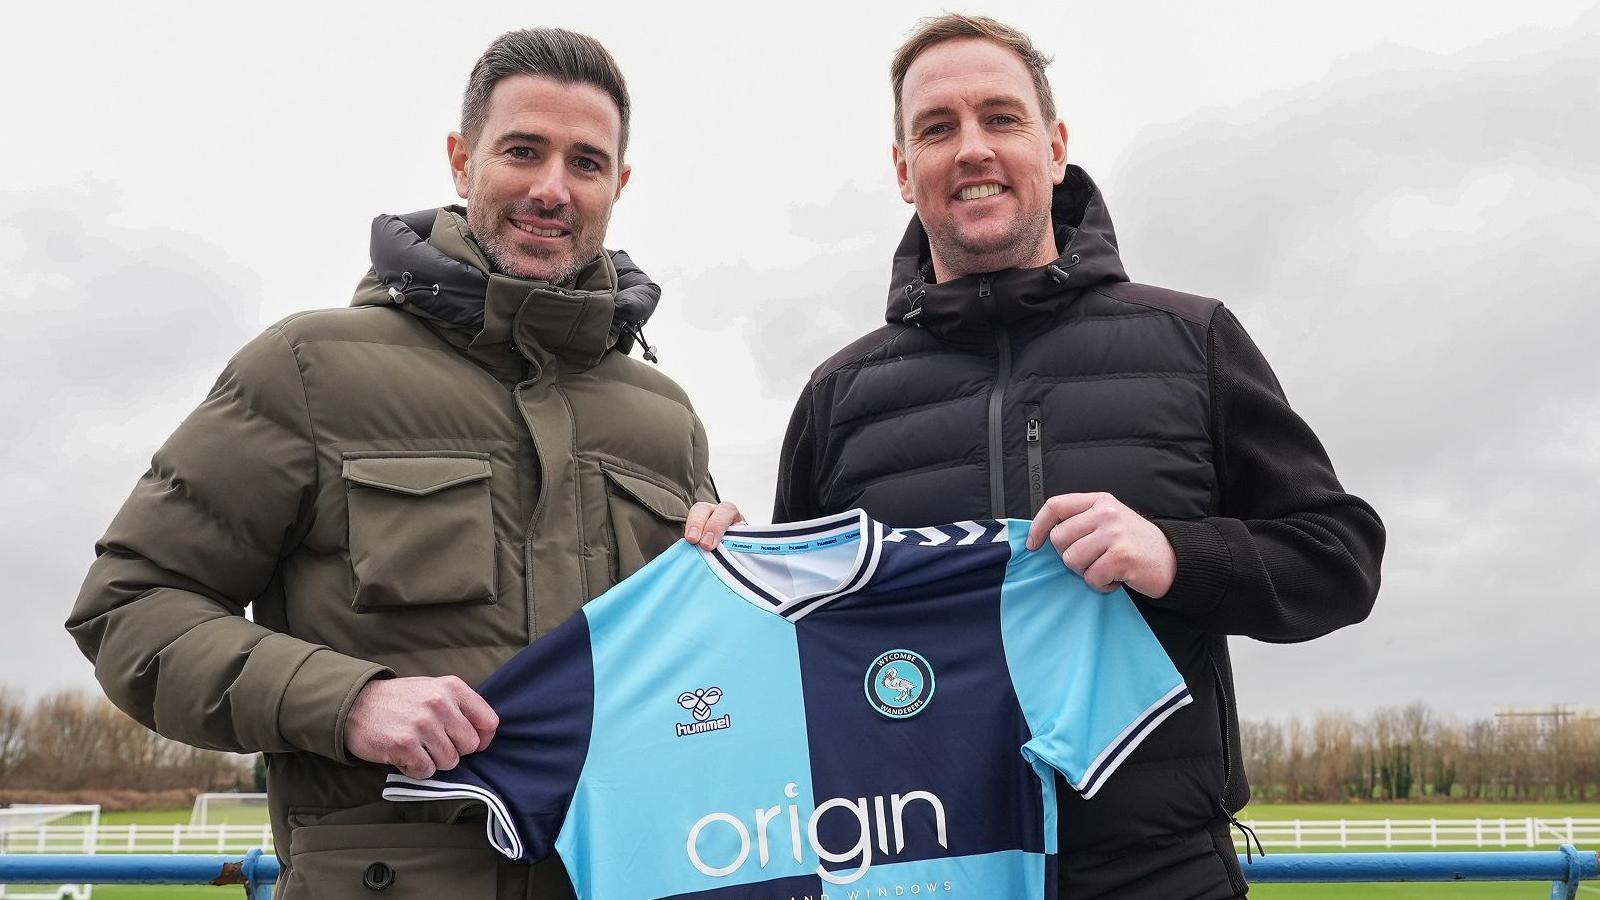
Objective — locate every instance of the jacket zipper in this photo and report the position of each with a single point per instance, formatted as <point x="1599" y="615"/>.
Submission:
<point x="1227" y="775"/>
<point x="538" y="509"/>
<point x="997" y="398"/>
<point x="1227" y="729"/>
<point x="1035" y="461"/>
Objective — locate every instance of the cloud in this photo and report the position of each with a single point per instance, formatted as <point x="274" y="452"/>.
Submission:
<point x="113" y="332"/>
<point x="830" y="288"/>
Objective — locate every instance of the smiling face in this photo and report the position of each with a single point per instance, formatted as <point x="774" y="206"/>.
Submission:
<point x="978" y="161"/>
<point x="541" y="176"/>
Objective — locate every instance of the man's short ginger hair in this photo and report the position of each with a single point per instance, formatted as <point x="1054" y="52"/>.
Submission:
<point x="952" y="26"/>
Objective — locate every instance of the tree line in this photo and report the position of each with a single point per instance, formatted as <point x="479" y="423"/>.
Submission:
<point x="72" y="741"/>
<point x="1414" y="753"/>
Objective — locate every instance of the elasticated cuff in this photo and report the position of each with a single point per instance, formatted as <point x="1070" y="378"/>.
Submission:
<point x="318" y="698"/>
<point x="1205" y="567"/>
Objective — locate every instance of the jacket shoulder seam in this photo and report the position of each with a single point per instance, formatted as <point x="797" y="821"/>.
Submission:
<point x="1192" y="308"/>
<point x="857" y="351"/>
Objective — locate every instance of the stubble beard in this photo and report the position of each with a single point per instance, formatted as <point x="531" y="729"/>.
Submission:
<point x="560" y="268"/>
<point x="1014" y="249"/>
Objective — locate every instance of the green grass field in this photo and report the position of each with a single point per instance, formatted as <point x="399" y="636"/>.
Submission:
<point x="146" y="817"/>
<point x="1263" y="811"/>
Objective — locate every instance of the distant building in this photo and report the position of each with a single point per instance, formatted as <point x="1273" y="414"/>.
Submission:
<point x="1543" y="722"/>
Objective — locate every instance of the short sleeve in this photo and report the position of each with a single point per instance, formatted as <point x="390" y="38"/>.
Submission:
<point x="1091" y="678"/>
<point x="529" y="773"/>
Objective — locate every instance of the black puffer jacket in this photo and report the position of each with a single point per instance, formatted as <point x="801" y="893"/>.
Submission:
<point x="988" y="393"/>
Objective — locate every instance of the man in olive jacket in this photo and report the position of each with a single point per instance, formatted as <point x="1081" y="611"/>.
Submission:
<point x="407" y="491"/>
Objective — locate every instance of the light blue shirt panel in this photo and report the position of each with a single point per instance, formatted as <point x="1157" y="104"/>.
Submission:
<point x="1009" y="874"/>
<point x="1085" y="666"/>
<point x="675" y="628"/>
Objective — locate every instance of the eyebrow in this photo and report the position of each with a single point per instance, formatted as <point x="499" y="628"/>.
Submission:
<point x="938" y="112"/>
<point x="1002" y="101"/>
<point x="539" y="140"/>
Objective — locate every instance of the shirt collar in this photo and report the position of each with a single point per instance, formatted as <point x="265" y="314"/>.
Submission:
<point x="724" y="560"/>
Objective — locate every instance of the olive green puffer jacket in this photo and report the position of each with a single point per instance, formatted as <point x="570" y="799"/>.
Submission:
<point x="389" y="492"/>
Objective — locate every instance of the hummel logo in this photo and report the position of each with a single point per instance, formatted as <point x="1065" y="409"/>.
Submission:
<point x="699" y="703"/>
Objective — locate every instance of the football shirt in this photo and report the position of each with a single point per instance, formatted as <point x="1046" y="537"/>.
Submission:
<point x="831" y="708"/>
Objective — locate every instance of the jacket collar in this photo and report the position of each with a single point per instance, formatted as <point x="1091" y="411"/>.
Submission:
<point x="974" y="305"/>
<point x="428" y="264"/>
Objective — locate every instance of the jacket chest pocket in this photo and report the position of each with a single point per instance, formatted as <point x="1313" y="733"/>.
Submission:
<point x="421" y="528"/>
<point x="646" y="518"/>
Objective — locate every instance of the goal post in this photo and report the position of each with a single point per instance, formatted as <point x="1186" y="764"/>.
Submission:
<point x="48" y="828"/>
<point x="229" y="809"/>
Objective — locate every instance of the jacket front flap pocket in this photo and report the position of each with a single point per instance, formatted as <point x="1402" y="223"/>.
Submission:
<point x="421" y="528"/>
<point x="646" y="519"/>
<point x="652" y="496"/>
<point x="416" y="475"/>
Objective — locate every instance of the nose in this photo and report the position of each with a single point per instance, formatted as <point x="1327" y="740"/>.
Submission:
<point x="549" y="186"/>
<point x="975" y="149"/>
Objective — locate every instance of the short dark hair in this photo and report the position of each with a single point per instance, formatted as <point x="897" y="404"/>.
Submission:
<point x="951" y="26"/>
<point x="555" y="53"/>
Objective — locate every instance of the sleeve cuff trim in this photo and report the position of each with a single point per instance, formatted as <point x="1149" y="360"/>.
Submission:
<point x="501" y="831"/>
<point x="1130" y="738"/>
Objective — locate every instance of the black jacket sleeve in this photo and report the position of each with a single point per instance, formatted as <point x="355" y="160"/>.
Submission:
<point x="1290" y="555"/>
<point x="796" y="497"/>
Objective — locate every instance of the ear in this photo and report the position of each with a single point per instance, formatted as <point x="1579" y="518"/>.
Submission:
<point x="902" y="173"/>
<point x="460" y="162"/>
<point x="622" y="180"/>
<point x="1058" y="151"/>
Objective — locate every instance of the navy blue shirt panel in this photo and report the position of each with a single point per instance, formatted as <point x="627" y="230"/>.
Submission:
<point x="546" y="705"/>
<point x="964" y="747"/>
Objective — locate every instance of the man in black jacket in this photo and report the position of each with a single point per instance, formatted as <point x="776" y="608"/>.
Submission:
<point x="1022" y="374"/>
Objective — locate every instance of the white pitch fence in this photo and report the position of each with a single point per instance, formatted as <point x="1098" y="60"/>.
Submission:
<point x="1349" y="834"/>
<point x="136" y="839"/>
<point x="1284" y="834"/>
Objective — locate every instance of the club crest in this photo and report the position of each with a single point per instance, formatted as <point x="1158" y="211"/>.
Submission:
<point x="899" y="684"/>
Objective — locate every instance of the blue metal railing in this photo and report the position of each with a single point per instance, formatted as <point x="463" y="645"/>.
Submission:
<point x="1563" y="868"/>
<point x="257" y="871"/>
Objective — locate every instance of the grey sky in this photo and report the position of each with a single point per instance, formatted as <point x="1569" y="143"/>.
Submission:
<point x="1399" y="201"/>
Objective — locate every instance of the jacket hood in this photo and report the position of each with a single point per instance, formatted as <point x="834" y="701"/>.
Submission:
<point x="429" y="263"/>
<point x="977" y="302"/>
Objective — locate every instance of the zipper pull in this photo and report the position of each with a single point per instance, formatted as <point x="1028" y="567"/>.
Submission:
<point x="983" y="286"/>
<point x="1035" y="447"/>
<point x="1249" y="835"/>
